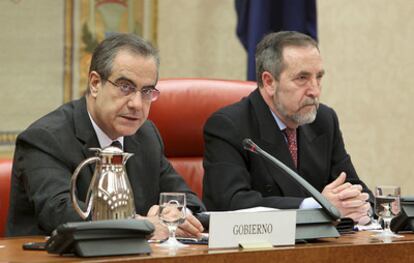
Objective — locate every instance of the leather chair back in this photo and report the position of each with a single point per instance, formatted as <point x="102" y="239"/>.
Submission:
<point x="180" y="114"/>
<point x="5" y="176"/>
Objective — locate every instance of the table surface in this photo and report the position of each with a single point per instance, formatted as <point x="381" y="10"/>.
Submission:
<point x="356" y="247"/>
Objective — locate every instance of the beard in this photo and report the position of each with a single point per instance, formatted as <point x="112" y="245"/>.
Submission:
<point x="298" y="117"/>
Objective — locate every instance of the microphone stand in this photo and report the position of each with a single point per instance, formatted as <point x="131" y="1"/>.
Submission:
<point x="249" y="145"/>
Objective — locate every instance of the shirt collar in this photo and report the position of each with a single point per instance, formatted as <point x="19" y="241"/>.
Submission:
<point x="104" y="139"/>
<point x="279" y="122"/>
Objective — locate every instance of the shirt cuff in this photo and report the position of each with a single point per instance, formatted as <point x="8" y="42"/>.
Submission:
<point x="309" y="203"/>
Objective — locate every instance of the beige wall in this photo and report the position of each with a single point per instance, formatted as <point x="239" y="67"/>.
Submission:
<point x="198" y="39"/>
<point x="368" y="52"/>
<point x="366" y="46"/>
<point x="31" y="60"/>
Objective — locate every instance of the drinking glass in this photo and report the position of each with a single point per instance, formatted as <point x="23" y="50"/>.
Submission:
<point x="172" y="213"/>
<point x="387" y="206"/>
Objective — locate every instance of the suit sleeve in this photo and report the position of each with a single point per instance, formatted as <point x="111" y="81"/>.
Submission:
<point x="45" y="178"/>
<point x="227" y="183"/>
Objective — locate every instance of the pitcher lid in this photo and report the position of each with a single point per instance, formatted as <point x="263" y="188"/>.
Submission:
<point x="111" y="150"/>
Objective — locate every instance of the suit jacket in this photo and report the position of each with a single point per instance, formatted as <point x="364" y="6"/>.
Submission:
<point x="235" y="178"/>
<point x="49" y="151"/>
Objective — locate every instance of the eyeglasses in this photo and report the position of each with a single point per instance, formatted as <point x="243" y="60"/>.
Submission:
<point x="147" y="93"/>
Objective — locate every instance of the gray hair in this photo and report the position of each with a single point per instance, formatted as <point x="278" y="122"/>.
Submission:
<point x="269" y="51"/>
<point x="104" y="54"/>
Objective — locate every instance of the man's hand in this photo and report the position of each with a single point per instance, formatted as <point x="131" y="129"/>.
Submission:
<point x="190" y="228"/>
<point x="348" y="199"/>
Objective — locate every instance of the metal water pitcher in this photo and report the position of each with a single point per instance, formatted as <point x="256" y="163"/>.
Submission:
<point x="109" y="194"/>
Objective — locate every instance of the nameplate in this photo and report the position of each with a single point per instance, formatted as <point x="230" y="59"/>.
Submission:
<point x="231" y="229"/>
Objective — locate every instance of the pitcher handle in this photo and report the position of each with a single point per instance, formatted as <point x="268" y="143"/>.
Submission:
<point x="73" y="189"/>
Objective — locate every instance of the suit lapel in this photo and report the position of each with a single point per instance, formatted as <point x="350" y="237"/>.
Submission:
<point x="313" y="151"/>
<point x="136" y="169"/>
<point x="272" y="140"/>
<point x="84" y="129"/>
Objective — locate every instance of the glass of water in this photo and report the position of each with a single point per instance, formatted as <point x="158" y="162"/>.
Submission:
<point x="387" y="206"/>
<point x="172" y="213"/>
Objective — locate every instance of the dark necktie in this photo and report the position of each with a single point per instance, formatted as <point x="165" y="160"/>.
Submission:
<point x="292" y="144"/>
<point x="116" y="144"/>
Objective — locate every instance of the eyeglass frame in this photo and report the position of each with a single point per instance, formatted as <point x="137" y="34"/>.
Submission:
<point x="132" y="89"/>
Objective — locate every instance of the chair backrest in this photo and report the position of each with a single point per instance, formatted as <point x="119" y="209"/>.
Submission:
<point x="180" y="114"/>
<point x="5" y="176"/>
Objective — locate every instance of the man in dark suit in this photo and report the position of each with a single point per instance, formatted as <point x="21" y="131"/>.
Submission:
<point x="284" y="117"/>
<point x="121" y="87"/>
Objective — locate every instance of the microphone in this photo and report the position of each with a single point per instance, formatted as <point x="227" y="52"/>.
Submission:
<point x="249" y="145"/>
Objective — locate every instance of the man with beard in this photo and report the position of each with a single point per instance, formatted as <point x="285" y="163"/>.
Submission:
<point x="283" y="116"/>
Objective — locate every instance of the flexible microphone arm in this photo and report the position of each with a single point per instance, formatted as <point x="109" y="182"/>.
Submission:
<point x="249" y="145"/>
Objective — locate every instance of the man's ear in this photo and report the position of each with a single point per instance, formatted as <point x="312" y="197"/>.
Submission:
<point x="269" y="83"/>
<point x="95" y="83"/>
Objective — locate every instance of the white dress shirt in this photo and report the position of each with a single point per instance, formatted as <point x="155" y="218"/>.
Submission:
<point x="104" y="139"/>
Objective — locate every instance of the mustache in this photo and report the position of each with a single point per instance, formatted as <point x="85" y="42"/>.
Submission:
<point x="310" y="102"/>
